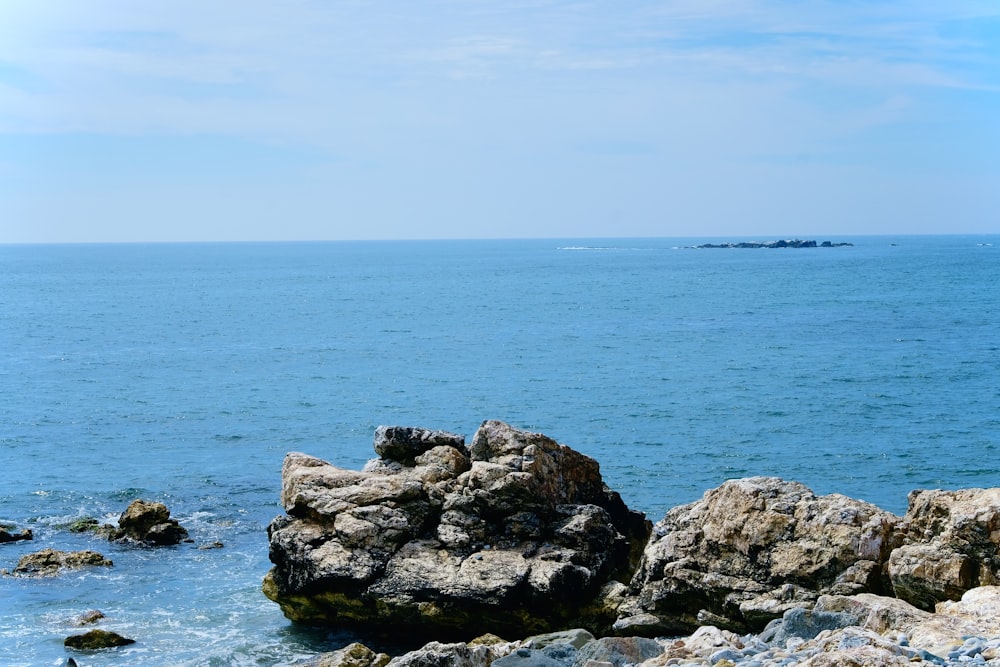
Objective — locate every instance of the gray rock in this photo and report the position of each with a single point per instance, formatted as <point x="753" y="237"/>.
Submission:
<point x="806" y="624"/>
<point x="577" y="638"/>
<point x="620" y="651"/>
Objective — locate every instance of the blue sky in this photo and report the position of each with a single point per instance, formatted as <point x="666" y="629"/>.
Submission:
<point x="329" y="119"/>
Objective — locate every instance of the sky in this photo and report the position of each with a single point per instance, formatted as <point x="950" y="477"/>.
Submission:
<point x="259" y="120"/>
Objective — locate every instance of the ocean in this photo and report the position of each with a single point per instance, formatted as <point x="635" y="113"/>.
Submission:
<point x="183" y="373"/>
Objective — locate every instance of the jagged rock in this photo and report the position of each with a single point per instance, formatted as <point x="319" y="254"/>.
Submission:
<point x="7" y="536"/>
<point x="752" y="549"/>
<point x="951" y="544"/>
<point x="97" y="639"/>
<point x="517" y="535"/>
<point x="49" y="562"/>
<point x="404" y="444"/>
<point x="148" y="523"/>
<point x="352" y="655"/>
<point x="436" y="654"/>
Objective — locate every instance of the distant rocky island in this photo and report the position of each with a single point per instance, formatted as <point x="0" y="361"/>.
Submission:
<point x="784" y="243"/>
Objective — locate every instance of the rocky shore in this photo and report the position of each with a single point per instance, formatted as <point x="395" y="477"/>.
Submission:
<point x="518" y="536"/>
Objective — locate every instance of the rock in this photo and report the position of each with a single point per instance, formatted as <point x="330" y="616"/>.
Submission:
<point x="516" y="535"/>
<point x="436" y="654"/>
<point x="89" y="618"/>
<point x="97" y="639"/>
<point x="7" y="536"/>
<point x="352" y="655"/>
<point x="621" y="651"/>
<point x="148" y="523"/>
<point x="577" y="638"/>
<point x="89" y="525"/>
<point x="553" y="655"/>
<point x="806" y="624"/>
<point x="404" y="444"/>
<point x="976" y="614"/>
<point x="752" y="549"/>
<point x="874" y="612"/>
<point x="951" y="544"/>
<point x="49" y="562"/>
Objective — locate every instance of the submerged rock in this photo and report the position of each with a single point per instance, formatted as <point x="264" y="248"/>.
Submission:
<point x="749" y="551"/>
<point x="516" y="534"/>
<point x="97" y="639"/>
<point x="49" y="562"/>
<point x="7" y="536"/>
<point x="148" y="523"/>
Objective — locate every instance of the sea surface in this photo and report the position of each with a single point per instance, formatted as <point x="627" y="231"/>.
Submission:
<point x="184" y="373"/>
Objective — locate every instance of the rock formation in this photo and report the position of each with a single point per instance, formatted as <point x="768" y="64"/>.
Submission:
<point x="148" y="523"/>
<point x="750" y="550"/>
<point x="515" y="533"/>
<point x="49" y="562"/>
<point x="951" y="544"/>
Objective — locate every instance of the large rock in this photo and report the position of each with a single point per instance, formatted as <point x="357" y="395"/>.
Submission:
<point x="50" y="562"/>
<point x="7" y="534"/>
<point x="951" y="544"/>
<point x="148" y="523"/>
<point x="749" y="551"/>
<point x="97" y="639"/>
<point x="516" y="535"/>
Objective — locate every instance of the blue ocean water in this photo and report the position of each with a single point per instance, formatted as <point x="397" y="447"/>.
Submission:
<point x="184" y="373"/>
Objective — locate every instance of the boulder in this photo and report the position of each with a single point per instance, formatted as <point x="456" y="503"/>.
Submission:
<point x="517" y="534"/>
<point x="149" y="524"/>
<point x="6" y="534"/>
<point x="49" y="562"/>
<point x="97" y="639"/>
<point x="749" y="551"/>
<point x="951" y="544"/>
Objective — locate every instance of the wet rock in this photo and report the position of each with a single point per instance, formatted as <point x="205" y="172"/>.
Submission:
<point x="148" y="523"/>
<point x="752" y="549"/>
<point x="517" y="535"/>
<point x="7" y="534"/>
<point x="951" y="544"/>
<point x="49" y="562"/>
<point x="88" y="618"/>
<point x="90" y="525"/>
<point x="97" y="639"/>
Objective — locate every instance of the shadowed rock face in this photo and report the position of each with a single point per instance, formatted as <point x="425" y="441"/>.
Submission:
<point x="752" y="549"/>
<point x="516" y="533"/>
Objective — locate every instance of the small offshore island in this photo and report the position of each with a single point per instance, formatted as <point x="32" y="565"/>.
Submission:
<point x="782" y="243"/>
<point x="517" y="535"/>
